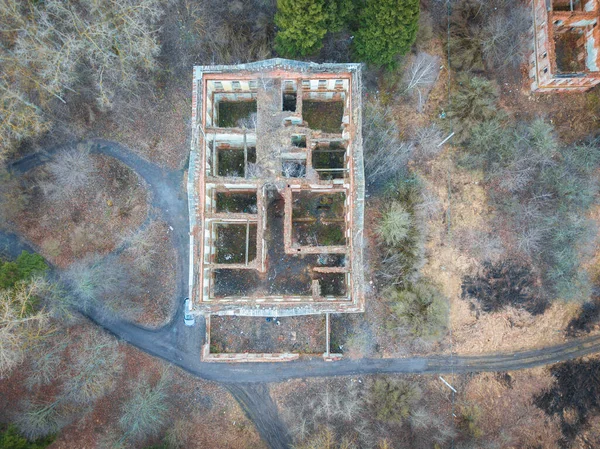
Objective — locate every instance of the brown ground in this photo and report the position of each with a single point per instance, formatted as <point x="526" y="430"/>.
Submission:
<point x="212" y="417"/>
<point x="157" y="283"/>
<point x="454" y="248"/>
<point x="297" y="399"/>
<point x="236" y="334"/>
<point x="574" y="115"/>
<point x="91" y="221"/>
<point x="157" y="128"/>
<point x="508" y="415"/>
<point x="454" y="254"/>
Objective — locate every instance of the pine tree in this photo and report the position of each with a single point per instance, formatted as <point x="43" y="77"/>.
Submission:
<point x="387" y="29"/>
<point x="302" y="26"/>
<point x="339" y="13"/>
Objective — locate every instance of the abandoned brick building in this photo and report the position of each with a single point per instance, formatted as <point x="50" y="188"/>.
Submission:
<point x="276" y="190"/>
<point x="566" y="40"/>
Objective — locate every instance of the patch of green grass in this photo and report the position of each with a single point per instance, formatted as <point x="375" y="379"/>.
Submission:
<point x="232" y="111"/>
<point x="323" y="115"/>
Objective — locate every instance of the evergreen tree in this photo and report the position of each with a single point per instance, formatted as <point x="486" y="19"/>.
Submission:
<point x="387" y="28"/>
<point x="26" y="266"/>
<point x="11" y="439"/>
<point x="302" y="25"/>
<point x="339" y="13"/>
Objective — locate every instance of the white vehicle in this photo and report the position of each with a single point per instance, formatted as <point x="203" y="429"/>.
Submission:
<point x="188" y="318"/>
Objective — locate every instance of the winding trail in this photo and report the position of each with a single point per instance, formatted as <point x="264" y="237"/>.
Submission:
<point x="180" y="345"/>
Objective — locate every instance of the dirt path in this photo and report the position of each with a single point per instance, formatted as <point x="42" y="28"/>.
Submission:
<point x="181" y="345"/>
<point x="259" y="407"/>
<point x="171" y="345"/>
<point x="168" y="196"/>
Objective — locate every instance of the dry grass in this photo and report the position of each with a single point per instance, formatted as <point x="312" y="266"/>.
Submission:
<point x="525" y="425"/>
<point x="452" y="256"/>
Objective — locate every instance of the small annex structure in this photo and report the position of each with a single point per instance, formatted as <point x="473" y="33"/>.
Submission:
<point x="276" y="189"/>
<point x="566" y="40"/>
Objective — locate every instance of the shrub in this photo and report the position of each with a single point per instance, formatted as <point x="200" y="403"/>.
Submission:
<point x="587" y="318"/>
<point x="393" y="400"/>
<point x="394" y="225"/>
<point x="324" y="438"/>
<point x="542" y="192"/>
<point x="470" y="421"/>
<point x="465" y="36"/>
<point x="419" y="308"/>
<point x="425" y="31"/>
<point x="472" y="102"/>
<point x="400" y="264"/>
<point x="387" y="29"/>
<point x="505" y="283"/>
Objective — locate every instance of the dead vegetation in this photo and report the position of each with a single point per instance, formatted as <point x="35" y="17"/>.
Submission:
<point x="239" y="334"/>
<point x="90" y="383"/>
<point x="573" y="397"/>
<point x="364" y="412"/>
<point x="80" y="204"/>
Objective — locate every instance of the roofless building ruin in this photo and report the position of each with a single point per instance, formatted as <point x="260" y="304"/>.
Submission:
<point x="276" y="190"/>
<point x="566" y="40"/>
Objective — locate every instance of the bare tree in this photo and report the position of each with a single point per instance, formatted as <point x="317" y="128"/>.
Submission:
<point x="19" y="118"/>
<point x="505" y="33"/>
<point x="142" y="245"/>
<point x="13" y="198"/>
<point x="69" y="171"/>
<point x="428" y="143"/>
<point x="248" y="122"/>
<point x="94" y="368"/>
<point x="420" y="77"/>
<point x="21" y="324"/>
<point x="46" y="357"/>
<point x="104" y="283"/>
<point x="45" y="46"/>
<point x="385" y="155"/>
<point x="41" y="418"/>
<point x="145" y="413"/>
<point x="293" y="169"/>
